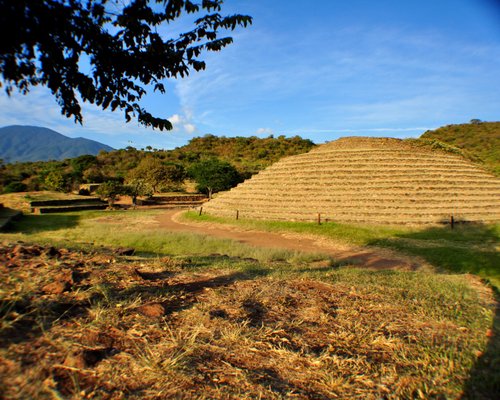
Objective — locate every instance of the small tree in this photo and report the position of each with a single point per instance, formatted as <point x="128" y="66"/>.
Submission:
<point x="138" y="187"/>
<point x="93" y="174"/>
<point x="214" y="175"/>
<point x="156" y="173"/>
<point x="55" y="181"/>
<point x="175" y="175"/>
<point x="109" y="191"/>
<point x="80" y="164"/>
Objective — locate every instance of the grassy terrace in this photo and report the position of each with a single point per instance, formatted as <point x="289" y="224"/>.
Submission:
<point x="214" y="318"/>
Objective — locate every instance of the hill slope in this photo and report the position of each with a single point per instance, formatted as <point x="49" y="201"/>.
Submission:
<point x="32" y="143"/>
<point x="247" y="154"/>
<point x="481" y="140"/>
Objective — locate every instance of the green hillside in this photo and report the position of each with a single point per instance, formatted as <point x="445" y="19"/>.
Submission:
<point x="247" y="154"/>
<point x="480" y="140"/>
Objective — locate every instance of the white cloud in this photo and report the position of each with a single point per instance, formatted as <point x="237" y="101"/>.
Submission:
<point x="189" y="128"/>
<point x="183" y="123"/>
<point x="264" y="131"/>
<point x="175" y="119"/>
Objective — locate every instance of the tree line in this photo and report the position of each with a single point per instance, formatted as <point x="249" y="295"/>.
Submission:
<point x="213" y="163"/>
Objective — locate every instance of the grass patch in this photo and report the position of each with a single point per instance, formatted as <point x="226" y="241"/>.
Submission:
<point x="21" y="201"/>
<point x="32" y="224"/>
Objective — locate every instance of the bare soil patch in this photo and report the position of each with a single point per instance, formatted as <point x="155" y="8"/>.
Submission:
<point x="374" y="258"/>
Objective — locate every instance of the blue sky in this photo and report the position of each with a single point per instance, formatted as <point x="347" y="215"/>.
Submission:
<point x="320" y="69"/>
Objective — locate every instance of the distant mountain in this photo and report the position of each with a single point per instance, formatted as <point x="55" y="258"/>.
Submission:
<point x="33" y="143"/>
<point x="480" y="139"/>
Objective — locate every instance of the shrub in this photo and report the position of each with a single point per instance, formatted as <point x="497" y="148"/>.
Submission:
<point x="14" y="187"/>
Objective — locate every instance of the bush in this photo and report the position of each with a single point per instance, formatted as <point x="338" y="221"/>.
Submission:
<point x="14" y="187"/>
<point x="84" y="192"/>
<point x="109" y="191"/>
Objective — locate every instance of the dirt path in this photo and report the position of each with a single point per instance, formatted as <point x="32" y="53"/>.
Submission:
<point x="375" y="258"/>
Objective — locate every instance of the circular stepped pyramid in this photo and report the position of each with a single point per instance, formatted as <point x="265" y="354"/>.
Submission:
<point x="366" y="180"/>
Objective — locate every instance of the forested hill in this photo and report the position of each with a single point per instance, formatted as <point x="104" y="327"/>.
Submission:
<point x="480" y="139"/>
<point x="34" y="143"/>
<point x="248" y="154"/>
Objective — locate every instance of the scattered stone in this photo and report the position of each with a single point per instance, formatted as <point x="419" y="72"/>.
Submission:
<point x="75" y="360"/>
<point x="153" y="310"/>
<point x="66" y="275"/>
<point x="56" y="287"/>
<point x="18" y="250"/>
<point x="125" y="251"/>
<point x="51" y="252"/>
<point x="97" y="338"/>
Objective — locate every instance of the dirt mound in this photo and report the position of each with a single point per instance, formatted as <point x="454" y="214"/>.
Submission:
<point x="367" y="180"/>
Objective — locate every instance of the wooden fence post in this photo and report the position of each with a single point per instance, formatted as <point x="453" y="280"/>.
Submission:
<point x="201" y="210"/>
<point x="237" y="214"/>
<point x="452" y="222"/>
<point x="319" y="218"/>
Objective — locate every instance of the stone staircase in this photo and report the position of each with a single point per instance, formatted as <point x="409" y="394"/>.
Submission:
<point x="174" y="201"/>
<point x="67" y="205"/>
<point x="366" y="180"/>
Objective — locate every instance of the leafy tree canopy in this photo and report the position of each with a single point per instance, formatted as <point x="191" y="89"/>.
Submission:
<point x="110" y="190"/>
<point x="155" y="173"/>
<point x="213" y="175"/>
<point x="48" y="42"/>
<point x="13" y="187"/>
<point x="55" y="181"/>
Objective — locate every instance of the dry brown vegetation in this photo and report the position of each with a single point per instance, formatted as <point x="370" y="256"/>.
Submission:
<point x="96" y="325"/>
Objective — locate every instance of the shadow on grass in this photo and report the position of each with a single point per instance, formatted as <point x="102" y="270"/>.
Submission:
<point x="39" y="316"/>
<point x="35" y="317"/>
<point x="185" y="293"/>
<point x="484" y="381"/>
<point x="30" y="224"/>
<point x="466" y="249"/>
